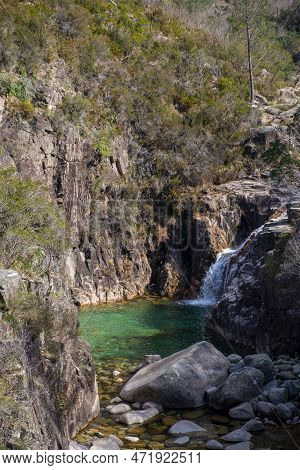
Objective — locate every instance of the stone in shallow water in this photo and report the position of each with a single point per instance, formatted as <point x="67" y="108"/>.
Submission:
<point x="238" y="435"/>
<point x="262" y="362"/>
<point x="181" y="441"/>
<point x="242" y="412"/>
<point x="119" y="409"/>
<point x="137" y="416"/>
<point x="107" y="443"/>
<point x="254" y="425"/>
<point x="185" y="427"/>
<point x="131" y="438"/>
<point x="214" y="445"/>
<point x="278" y="395"/>
<point x="240" y="446"/>
<point x="180" y="380"/>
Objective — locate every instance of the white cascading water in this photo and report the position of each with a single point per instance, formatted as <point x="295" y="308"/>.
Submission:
<point x="215" y="280"/>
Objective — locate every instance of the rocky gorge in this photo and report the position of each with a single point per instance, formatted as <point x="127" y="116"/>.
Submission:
<point x="150" y="185"/>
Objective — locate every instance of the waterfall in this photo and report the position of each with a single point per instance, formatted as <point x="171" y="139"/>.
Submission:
<point x="216" y="277"/>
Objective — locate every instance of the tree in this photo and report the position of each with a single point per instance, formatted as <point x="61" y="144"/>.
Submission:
<point x="250" y="16"/>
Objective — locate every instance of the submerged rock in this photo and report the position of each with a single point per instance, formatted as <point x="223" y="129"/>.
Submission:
<point x="118" y="409"/>
<point x="242" y="412"/>
<point x="238" y="435"/>
<point x="254" y="425"/>
<point x="240" y="387"/>
<point x="214" y="445"/>
<point x="241" y="446"/>
<point x="137" y="416"/>
<point x="106" y="443"/>
<point x="185" y="427"/>
<point x="180" y="380"/>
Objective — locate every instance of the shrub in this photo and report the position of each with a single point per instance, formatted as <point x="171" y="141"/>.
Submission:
<point x="30" y="224"/>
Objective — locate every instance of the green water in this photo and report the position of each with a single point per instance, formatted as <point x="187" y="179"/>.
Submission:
<point x="133" y="329"/>
<point x="121" y="334"/>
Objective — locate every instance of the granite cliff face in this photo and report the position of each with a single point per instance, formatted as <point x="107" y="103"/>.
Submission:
<point x="48" y="389"/>
<point x="260" y="304"/>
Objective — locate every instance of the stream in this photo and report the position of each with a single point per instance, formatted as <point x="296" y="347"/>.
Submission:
<point x="121" y="334"/>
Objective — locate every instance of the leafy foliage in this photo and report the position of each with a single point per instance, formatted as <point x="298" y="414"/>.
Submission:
<point x="30" y="225"/>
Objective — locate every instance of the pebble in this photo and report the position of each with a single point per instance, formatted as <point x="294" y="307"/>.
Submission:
<point x="214" y="445"/>
<point x="118" y="409"/>
<point x="181" y="441"/>
<point x="116" y="373"/>
<point x="131" y="438"/>
<point x="137" y="416"/>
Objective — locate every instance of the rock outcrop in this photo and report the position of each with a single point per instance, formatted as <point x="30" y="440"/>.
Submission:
<point x="48" y="389"/>
<point x="180" y="380"/>
<point x="260" y="305"/>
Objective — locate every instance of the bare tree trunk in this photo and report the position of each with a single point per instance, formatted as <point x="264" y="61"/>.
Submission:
<point x="250" y="65"/>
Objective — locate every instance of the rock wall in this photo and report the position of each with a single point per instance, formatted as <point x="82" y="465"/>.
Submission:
<point x="260" y="306"/>
<point x="48" y="389"/>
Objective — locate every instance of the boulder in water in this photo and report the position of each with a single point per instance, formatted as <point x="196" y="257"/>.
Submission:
<point x="240" y="387"/>
<point x="238" y="435"/>
<point x="180" y="380"/>
<point x="186" y="428"/>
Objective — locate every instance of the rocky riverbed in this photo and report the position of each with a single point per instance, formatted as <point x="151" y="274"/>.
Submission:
<point x="233" y="402"/>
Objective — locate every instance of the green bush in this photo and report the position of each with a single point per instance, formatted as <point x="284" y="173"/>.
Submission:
<point x="30" y="224"/>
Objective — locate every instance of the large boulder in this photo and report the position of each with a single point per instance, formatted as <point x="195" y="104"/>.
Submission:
<point x="180" y="380"/>
<point x="240" y="387"/>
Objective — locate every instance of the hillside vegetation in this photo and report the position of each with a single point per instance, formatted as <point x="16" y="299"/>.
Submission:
<point x="182" y="91"/>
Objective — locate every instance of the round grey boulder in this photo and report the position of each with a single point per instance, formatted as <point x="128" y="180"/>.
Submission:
<point x="238" y="435"/>
<point x="234" y="358"/>
<point x="262" y="362"/>
<point x="278" y="395"/>
<point x="265" y="409"/>
<point x="285" y="411"/>
<point x="214" y="445"/>
<point x="240" y="387"/>
<point x="180" y="380"/>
